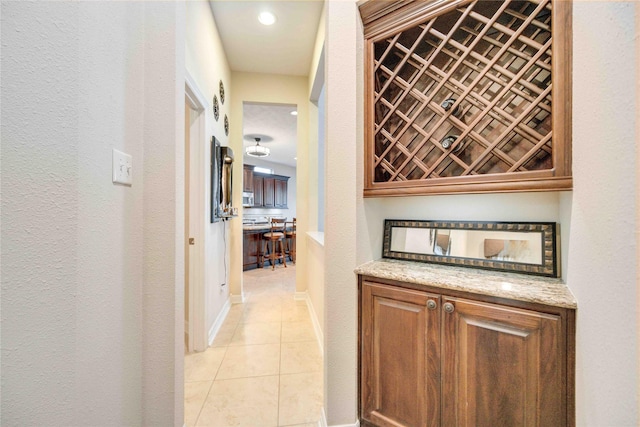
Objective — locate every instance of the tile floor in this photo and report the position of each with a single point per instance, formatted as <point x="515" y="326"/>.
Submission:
<point x="264" y="368"/>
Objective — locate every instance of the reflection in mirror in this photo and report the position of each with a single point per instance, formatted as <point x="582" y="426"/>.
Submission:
<point x="477" y="244"/>
<point x="529" y="248"/>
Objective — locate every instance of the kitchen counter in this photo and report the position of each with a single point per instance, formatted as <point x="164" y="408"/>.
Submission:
<point x="520" y="287"/>
<point x="252" y="244"/>
<point x="255" y="227"/>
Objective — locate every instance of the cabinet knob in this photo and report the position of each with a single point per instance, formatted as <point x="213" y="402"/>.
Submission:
<point x="431" y="304"/>
<point x="448" y="307"/>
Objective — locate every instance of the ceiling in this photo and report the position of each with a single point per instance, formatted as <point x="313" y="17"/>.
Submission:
<point x="285" y="48"/>
<point x="277" y="129"/>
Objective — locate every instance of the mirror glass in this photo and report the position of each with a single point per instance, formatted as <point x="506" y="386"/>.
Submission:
<point x="522" y="247"/>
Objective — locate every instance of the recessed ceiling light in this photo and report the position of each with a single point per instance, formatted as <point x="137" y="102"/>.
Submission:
<point x="294" y="113"/>
<point x="266" y="18"/>
<point x="295" y="158"/>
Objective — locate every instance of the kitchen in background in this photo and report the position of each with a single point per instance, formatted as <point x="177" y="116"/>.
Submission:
<point x="269" y="177"/>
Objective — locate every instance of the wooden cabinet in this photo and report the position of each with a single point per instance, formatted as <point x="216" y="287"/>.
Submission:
<point x="258" y="190"/>
<point x="280" y="192"/>
<point x="400" y="353"/>
<point x="501" y="357"/>
<point x="269" y="191"/>
<point x="431" y="359"/>
<point x="247" y="178"/>
<point x="252" y="239"/>
<point x="467" y="96"/>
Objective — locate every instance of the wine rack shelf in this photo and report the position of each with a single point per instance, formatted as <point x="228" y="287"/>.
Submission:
<point x="467" y="96"/>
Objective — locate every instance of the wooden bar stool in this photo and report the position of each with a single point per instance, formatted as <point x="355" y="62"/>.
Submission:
<point x="290" y="239"/>
<point x="276" y="237"/>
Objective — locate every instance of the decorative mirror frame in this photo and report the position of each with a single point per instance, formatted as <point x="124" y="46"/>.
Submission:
<point x="548" y="230"/>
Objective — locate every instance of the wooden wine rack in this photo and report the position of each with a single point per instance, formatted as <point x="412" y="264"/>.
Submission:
<point x="463" y="96"/>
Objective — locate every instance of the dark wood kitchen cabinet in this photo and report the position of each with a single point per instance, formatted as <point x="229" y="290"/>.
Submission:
<point x="247" y="178"/>
<point x="280" y="192"/>
<point x="258" y="190"/>
<point x="268" y="194"/>
<point x="431" y="359"/>
<point x="270" y="191"/>
<point x="252" y="239"/>
<point x="465" y="96"/>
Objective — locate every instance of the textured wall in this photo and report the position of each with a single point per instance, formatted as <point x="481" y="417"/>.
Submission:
<point x="341" y="139"/>
<point x="164" y="166"/>
<point x="603" y="252"/>
<point x="71" y="240"/>
<point x="89" y="294"/>
<point x="207" y="64"/>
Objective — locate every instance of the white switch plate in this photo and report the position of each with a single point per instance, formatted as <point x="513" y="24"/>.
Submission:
<point x="122" y="168"/>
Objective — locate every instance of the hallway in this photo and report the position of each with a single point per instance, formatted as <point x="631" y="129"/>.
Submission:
<point x="264" y="367"/>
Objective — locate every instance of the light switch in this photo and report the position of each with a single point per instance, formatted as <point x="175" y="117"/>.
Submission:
<point x="122" y="168"/>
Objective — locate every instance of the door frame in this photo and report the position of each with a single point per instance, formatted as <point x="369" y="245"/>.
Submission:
<point x="197" y="330"/>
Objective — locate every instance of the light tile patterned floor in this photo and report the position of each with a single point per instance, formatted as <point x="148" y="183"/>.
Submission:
<point x="264" y="368"/>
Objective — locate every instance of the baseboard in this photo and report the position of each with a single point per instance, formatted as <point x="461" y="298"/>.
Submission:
<point x="219" y="321"/>
<point x="356" y="424"/>
<point x="323" y="418"/>
<point x="304" y="296"/>
<point x="238" y="299"/>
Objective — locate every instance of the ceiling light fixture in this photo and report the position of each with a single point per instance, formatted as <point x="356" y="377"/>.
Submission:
<point x="266" y="18"/>
<point x="257" y="150"/>
<point x="294" y="113"/>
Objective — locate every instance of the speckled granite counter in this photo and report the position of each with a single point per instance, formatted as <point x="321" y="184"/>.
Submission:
<point x="256" y="227"/>
<point x="542" y="290"/>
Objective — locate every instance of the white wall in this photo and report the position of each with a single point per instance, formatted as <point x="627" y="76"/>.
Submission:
<point x="603" y="252"/>
<point x="89" y="299"/>
<point x="343" y="135"/>
<point x="206" y="62"/>
<point x="599" y="252"/>
<point x="278" y="169"/>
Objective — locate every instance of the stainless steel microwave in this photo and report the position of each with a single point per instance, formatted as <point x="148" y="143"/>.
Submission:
<point x="247" y="199"/>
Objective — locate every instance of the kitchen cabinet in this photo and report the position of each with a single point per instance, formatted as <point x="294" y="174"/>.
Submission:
<point x="280" y="193"/>
<point x="252" y="239"/>
<point x="258" y="190"/>
<point x="247" y="178"/>
<point x="467" y="97"/>
<point x="270" y="191"/>
<point x="431" y="357"/>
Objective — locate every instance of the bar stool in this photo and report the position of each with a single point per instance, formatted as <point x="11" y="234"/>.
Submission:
<point x="276" y="237"/>
<point x="290" y="240"/>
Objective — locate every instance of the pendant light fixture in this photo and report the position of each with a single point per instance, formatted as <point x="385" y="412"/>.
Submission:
<point x="257" y="150"/>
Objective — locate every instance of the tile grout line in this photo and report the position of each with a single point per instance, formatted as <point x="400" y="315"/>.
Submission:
<point x="226" y="347"/>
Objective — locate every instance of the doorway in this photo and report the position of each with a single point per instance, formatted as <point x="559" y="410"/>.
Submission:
<point x="194" y="308"/>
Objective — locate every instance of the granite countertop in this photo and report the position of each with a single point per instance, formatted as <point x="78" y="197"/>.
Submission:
<point x="520" y="287"/>
<point x="255" y="227"/>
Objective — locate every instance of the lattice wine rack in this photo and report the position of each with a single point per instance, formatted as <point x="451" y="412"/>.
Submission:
<point x="465" y="97"/>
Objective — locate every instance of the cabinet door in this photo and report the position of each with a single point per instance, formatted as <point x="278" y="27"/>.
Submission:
<point x="400" y="354"/>
<point x="251" y="241"/>
<point x="280" y="193"/>
<point x="501" y="366"/>
<point x="247" y="179"/>
<point x="269" y="193"/>
<point x="258" y="192"/>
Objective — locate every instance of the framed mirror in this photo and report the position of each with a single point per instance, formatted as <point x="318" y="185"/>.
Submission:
<point x="518" y="247"/>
